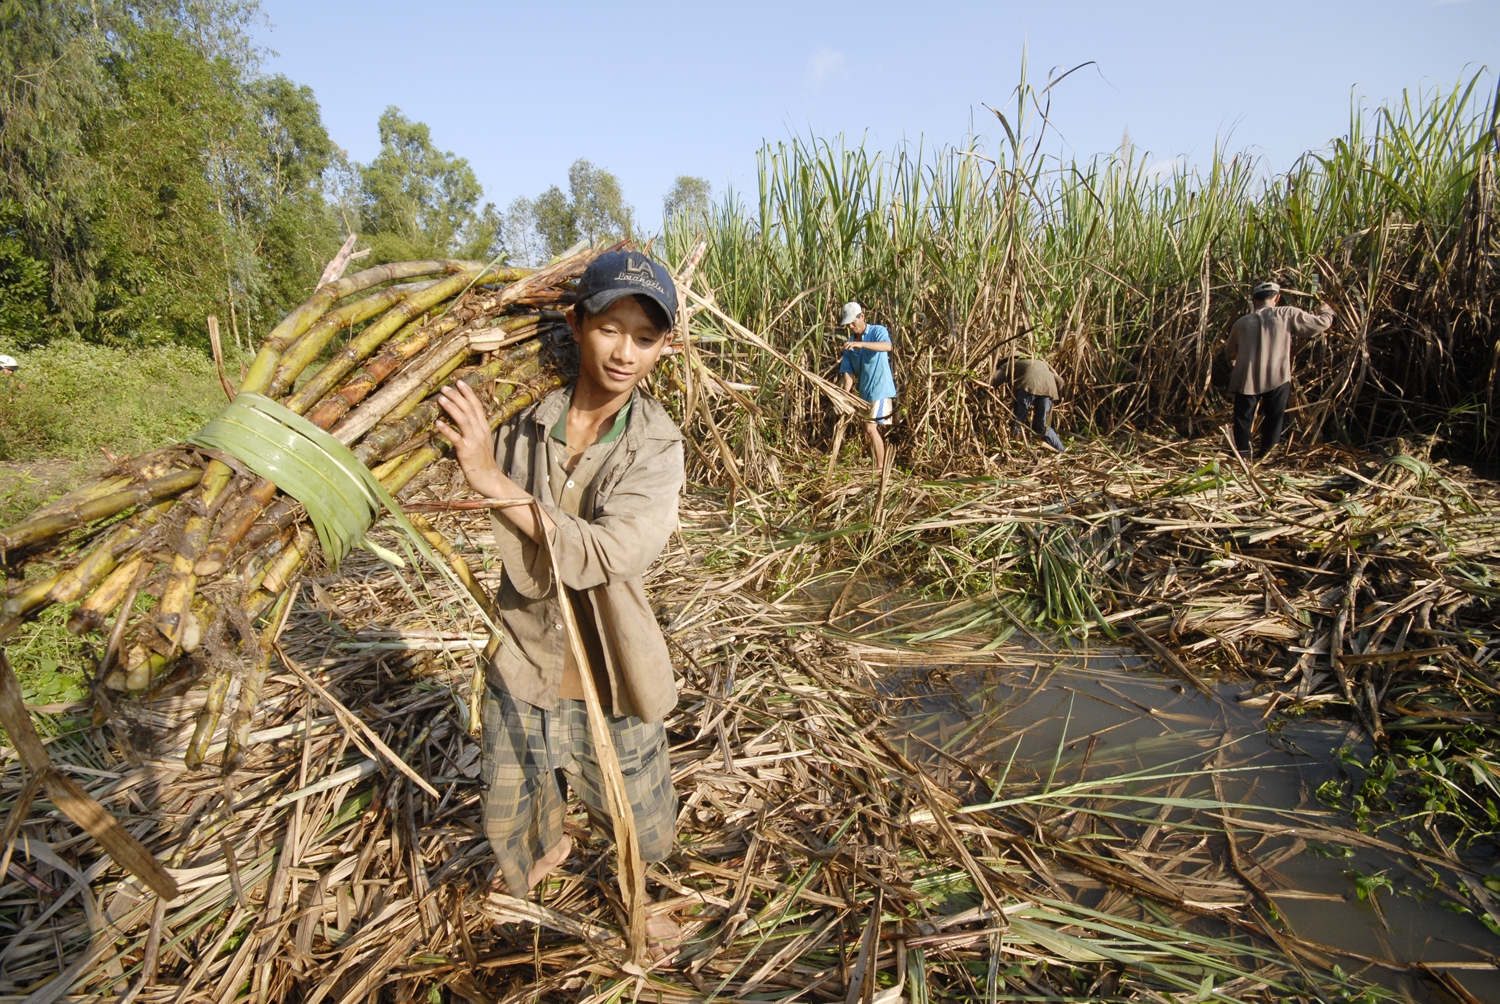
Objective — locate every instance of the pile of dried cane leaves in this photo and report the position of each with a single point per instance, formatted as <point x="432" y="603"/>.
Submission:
<point x="1342" y="583"/>
<point x="817" y="860"/>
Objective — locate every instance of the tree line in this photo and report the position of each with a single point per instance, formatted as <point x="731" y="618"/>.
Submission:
<point x="151" y="174"/>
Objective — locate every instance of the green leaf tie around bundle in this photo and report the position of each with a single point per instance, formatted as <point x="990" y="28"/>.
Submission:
<point x="340" y="494"/>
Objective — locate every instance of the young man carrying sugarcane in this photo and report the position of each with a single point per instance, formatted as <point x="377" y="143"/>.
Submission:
<point x="1037" y="389"/>
<point x="589" y="477"/>
<point x="867" y="358"/>
<point x="1260" y="350"/>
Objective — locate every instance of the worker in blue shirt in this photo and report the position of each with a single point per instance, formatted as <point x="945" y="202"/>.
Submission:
<point x="867" y="359"/>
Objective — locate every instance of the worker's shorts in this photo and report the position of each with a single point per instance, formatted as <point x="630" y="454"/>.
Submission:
<point x="882" y="410"/>
<point x="528" y="751"/>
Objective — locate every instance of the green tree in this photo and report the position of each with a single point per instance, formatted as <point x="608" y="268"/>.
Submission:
<point x="52" y="88"/>
<point x="275" y="181"/>
<point x="163" y="257"/>
<point x="148" y="174"/>
<point x="687" y="203"/>
<point x="420" y="202"/>
<point x="598" y="207"/>
<point x="593" y="209"/>
<point x="23" y="284"/>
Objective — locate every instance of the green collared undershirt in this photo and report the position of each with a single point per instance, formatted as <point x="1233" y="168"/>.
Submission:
<point x="559" y="430"/>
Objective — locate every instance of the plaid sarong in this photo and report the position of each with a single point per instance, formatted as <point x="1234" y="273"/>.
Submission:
<point x="524" y="801"/>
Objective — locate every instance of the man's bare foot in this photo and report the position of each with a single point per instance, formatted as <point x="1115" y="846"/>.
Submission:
<point x="549" y="862"/>
<point x="663" y="936"/>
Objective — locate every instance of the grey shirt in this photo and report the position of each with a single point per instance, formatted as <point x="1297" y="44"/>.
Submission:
<point x="626" y="512"/>
<point x="1260" y="343"/>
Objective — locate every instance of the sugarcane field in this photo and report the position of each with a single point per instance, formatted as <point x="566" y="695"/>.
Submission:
<point x="909" y="572"/>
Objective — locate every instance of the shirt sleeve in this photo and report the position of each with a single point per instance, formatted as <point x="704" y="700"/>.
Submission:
<point x="629" y="533"/>
<point x="1306" y="324"/>
<point x="1232" y="345"/>
<point x="523" y="562"/>
<point x="848" y="364"/>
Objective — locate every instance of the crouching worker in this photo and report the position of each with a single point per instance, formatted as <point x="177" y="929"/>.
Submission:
<point x="604" y="463"/>
<point x="1036" y="388"/>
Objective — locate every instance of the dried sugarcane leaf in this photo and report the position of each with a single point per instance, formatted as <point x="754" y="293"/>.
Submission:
<point x="69" y="797"/>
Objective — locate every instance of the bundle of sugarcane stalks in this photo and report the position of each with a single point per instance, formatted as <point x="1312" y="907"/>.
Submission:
<point x="181" y="557"/>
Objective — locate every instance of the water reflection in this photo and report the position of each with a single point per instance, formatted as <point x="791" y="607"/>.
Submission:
<point x="1089" y="728"/>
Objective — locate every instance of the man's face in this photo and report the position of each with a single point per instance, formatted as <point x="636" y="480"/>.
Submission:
<point x="857" y="327"/>
<point x="618" y="347"/>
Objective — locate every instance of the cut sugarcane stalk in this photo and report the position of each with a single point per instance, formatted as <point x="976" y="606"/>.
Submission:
<point x="364" y="381"/>
<point x="420" y="458"/>
<point x="35" y="530"/>
<point x="146" y="468"/>
<point x="399" y="314"/>
<point x="90" y="614"/>
<point x="311" y="342"/>
<point x="233" y="526"/>
<point x="288" y="562"/>
<point x="519" y="363"/>
<point x="182" y="581"/>
<point x="369" y="414"/>
<point x="208" y="718"/>
<point x="300" y="319"/>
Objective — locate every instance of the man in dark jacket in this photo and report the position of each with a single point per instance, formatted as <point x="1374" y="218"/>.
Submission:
<point x="1260" y="349"/>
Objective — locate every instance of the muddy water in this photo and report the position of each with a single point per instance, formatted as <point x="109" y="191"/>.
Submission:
<point x="1107" y="715"/>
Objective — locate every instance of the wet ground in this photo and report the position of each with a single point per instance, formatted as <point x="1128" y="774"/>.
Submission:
<point x="1057" y="722"/>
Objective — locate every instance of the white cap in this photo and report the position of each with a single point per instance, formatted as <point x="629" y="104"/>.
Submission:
<point x="9" y="363"/>
<point x="851" y="311"/>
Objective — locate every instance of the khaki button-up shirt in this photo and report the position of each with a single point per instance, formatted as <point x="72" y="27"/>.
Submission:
<point x="569" y="478"/>
<point x="1261" y="345"/>
<point x="626" y="511"/>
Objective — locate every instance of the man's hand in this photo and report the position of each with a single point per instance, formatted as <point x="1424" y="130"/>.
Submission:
<point x="473" y="445"/>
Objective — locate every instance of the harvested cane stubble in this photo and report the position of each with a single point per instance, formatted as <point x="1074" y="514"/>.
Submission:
<point x="814" y="856"/>
<point x="341" y="856"/>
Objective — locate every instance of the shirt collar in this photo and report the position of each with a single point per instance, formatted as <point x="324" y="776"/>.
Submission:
<point x="559" y="430"/>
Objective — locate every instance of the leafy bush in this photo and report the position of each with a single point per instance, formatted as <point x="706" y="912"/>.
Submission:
<point x="72" y="399"/>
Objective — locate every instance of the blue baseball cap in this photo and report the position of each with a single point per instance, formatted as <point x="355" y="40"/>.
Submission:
<point x="626" y="273"/>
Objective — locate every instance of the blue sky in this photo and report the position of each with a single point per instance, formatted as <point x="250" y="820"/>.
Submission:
<point x="651" y="90"/>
